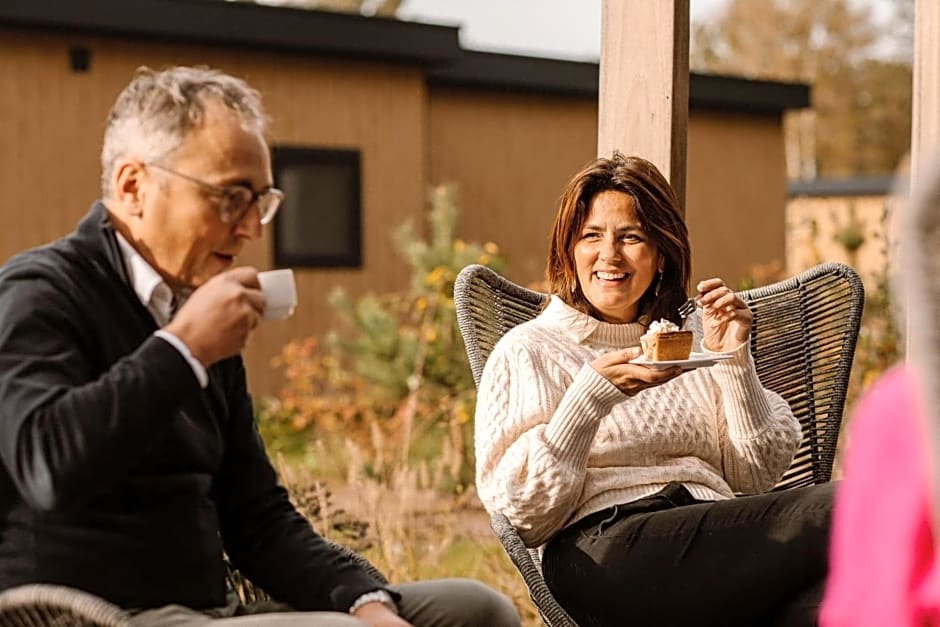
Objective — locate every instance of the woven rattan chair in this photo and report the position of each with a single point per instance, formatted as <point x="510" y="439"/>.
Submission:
<point x="40" y="605"/>
<point x="803" y="342"/>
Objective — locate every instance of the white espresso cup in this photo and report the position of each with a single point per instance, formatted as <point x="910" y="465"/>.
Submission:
<point x="280" y="293"/>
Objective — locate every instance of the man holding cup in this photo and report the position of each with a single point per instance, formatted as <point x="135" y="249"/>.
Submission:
<point x="130" y="456"/>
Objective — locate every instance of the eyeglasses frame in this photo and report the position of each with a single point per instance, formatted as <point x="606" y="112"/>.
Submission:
<point x="227" y="191"/>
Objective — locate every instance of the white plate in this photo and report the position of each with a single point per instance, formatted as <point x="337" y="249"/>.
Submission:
<point x="695" y="360"/>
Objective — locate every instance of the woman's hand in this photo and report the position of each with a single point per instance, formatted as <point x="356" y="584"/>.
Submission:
<point x="631" y="378"/>
<point x="726" y="319"/>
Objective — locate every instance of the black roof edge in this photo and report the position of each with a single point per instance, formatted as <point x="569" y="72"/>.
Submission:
<point x="244" y="24"/>
<point x="515" y="73"/>
<point x="735" y="93"/>
<point x="853" y="186"/>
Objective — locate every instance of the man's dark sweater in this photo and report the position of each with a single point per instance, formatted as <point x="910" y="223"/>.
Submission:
<point x="120" y="475"/>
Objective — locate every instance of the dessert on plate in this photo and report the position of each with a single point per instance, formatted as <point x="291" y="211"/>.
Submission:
<point x="664" y="341"/>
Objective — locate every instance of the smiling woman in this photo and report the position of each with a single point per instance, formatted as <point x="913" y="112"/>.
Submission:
<point x="615" y="259"/>
<point x="620" y="217"/>
<point x="626" y="473"/>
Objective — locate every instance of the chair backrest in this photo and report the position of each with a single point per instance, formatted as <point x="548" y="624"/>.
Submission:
<point x="803" y="342"/>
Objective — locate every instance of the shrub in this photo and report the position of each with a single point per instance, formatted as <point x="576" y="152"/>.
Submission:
<point x="391" y="382"/>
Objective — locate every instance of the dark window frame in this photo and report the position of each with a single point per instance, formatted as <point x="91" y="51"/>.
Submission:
<point x="351" y="257"/>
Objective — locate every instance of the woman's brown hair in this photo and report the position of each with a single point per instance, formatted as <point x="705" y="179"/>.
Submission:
<point x="657" y="209"/>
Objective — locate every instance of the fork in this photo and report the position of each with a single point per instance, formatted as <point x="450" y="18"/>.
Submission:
<point x="686" y="308"/>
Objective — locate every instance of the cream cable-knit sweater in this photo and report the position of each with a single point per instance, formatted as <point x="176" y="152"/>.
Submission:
<point x="555" y="441"/>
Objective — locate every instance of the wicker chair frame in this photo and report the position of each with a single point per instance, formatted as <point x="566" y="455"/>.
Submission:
<point x="42" y="605"/>
<point x="803" y="343"/>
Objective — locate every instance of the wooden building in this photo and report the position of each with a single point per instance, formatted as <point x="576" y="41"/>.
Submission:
<point x="366" y="114"/>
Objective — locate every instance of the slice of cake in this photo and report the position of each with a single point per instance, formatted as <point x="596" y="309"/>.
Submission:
<point x="665" y="342"/>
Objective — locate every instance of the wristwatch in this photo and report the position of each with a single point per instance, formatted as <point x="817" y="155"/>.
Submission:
<point x="376" y="596"/>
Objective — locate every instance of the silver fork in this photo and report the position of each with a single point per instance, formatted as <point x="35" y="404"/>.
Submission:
<point x="686" y="308"/>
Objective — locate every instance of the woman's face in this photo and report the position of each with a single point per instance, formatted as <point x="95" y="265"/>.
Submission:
<point x="615" y="259"/>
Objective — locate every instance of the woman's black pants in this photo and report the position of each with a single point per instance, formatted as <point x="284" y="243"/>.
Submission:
<point x="669" y="560"/>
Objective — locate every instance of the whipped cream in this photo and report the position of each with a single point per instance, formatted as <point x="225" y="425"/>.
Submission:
<point x="662" y="326"/>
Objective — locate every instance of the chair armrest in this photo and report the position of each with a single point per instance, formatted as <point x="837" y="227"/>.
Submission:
<point x="42" y="604"/>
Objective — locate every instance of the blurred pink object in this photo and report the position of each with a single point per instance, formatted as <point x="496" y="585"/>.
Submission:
<point x="883" y="570"/>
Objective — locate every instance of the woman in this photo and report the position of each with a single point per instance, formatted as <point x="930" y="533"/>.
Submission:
<point x="626" y="475"/>
<point x="885" y="567"/>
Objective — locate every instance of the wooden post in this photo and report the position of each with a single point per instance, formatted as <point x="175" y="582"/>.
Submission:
<point x="644" y="83"/>
<point x="920" y="330"/>
<point x="925" y="133"/>
<point x="925" y="123"/>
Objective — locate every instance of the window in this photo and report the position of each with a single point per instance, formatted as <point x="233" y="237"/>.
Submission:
<point x="319" y="224"/>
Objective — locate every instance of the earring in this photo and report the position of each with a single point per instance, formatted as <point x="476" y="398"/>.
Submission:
<point x="659" y="284"/>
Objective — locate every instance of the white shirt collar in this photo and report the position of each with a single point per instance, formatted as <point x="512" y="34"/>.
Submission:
<point x="149" y="286"/>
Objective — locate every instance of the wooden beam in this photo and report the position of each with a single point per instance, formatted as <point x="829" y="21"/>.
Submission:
<point x="925" y="127"/>
<point x="925" y="137"/>
<point x="919" y="238"/>
<point x="644" y="83"/>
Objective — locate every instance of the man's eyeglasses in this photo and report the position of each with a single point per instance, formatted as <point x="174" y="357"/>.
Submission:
<point x="235" y="200"/>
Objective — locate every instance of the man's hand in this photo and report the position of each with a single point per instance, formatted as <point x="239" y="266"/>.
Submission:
<point x="216" y="320"/>
<point x="377" y="615"/>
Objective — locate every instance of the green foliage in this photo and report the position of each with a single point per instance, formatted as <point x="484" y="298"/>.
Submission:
<point x="879" y="339"/>
<point x="384" y="352"/>
<point x="851" y="233"/>
<point x="392" y="376"/>
<point x="879" y="342"/>
<point x="400" y="341"/>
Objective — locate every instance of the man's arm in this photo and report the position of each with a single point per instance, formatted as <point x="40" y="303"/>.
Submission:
<point x="68" y="430"/>
<point x="264" y="535"/>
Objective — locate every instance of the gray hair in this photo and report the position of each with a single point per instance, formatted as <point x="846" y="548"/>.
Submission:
<point x="154" y="113"/>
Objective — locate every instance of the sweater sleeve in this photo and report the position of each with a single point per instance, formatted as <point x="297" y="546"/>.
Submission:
<point x="758" y="433"/>
<point x="534" y="428"/>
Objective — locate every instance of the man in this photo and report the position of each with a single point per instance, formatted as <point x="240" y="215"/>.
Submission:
<point x="131" y="460"/>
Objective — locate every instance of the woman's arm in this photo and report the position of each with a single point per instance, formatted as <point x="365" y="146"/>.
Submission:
<point x="535" y="423"/>
<point x="758" y="432"/>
